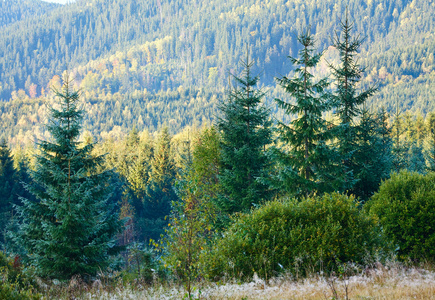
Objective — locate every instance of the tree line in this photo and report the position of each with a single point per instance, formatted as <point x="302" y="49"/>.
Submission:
<point x="202" y="179"/>
<point x="133" y="49"/>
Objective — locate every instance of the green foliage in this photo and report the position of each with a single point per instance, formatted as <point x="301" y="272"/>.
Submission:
<point x="13" y="11"/>
<point x="141" y="260"/>
<point x="10" y="291"/>
<point x="400" y="147"/>
<point x="191" y="224"/>
<point x="186" y="237"/>
<point x="206" y="162"/>
<point x="245" y="132"/>
<point x="405" y="206"/>
<point x="8" y="187"/>
<point x="13" y="175"/>
<point x="372" y="157"/>
<point x="14" y="284"/>
<point x="347" y="101"/>
<point x="160" y="190"/>
<point x="149" y="72"/>
<point x="70" y="228"/>
<point x="315" y="234"/>
<point x="309" y="157"/>
<point x="430" y="143"/>
<point x="147" y="170"/>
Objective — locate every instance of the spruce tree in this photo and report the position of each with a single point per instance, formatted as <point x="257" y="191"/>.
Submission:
<point x="346" y="100"/>
<point x="245" y="129"/>
<point x="307" y="166"/>
<point x="70" y="228"/>
<point x="372" y="155"/>
<point x="8" y="187"/>
<point x="400" y="147"/>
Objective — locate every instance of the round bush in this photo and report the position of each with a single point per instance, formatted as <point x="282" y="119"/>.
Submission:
<point x="405" y="206"/>
<point x="315" y="234"/>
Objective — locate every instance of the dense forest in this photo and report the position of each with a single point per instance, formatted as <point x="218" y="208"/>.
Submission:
<point x="15" y="11"/>
<point x="152" y="158"/>
<point x="153" y="59"/>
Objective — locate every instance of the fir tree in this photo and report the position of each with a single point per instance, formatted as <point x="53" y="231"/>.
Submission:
<point x="8" y="187"/>
<point x="309" y="156"/>
<point x="400" y="147"/>
<point x="346" y="100"/>
<point x="372" y="155"/>
<point x="245" y="129"/>
<point x="70" y="229"/>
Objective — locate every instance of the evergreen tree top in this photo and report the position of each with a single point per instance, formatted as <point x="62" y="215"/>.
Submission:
<point x="348" y="74"/>
<point x="310" y="96"/>
<point x="65" y="122"/>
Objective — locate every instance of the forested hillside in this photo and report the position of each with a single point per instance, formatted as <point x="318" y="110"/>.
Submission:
<point x="12" y="11"/>
<point x="155" y="62"/>
<point x="315" y="158"/>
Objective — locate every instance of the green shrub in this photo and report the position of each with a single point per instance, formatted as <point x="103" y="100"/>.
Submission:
<point x="316" y="234"/>
<point x="405" y="206"/>
<point x="14" y="285"/>
<point x="12" y="291"/>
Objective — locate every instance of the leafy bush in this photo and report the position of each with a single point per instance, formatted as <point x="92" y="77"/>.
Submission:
<point x="405" y="206"/>
<point x="316" y="234"/>
<point x="14" y="285"/>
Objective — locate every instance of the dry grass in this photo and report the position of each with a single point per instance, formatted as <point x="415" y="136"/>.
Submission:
<point x="382" y="282"/>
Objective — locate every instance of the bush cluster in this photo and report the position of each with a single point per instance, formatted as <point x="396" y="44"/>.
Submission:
<point x="405" y="206"/>
<point x="313" y="235"/>
<point x="14" y="284"/>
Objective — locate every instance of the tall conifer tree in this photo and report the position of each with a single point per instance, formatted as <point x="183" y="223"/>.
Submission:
<point x="346" y="100"/>
<point x="70" y="229"/>
<point x="400" y="147"/>
<point x="307" y="167"/>
<point x="245" y="128"/>
<point x="8" y="187"/>
<point x="372" y="156"/>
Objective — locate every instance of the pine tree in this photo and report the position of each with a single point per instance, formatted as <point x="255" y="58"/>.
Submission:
<point x="346" y="100"/>
<point x="8" y="187"/>
<point x="372" y="155"/>
<point x="70" y="229"/>
<point x="245" y="129"/>
<point x="400" y="147"/>
<point x="309" y="156"/>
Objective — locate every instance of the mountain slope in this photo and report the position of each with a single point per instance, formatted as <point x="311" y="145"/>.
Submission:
<point x="137" y="54"/>
<point x="12" y="11"/>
